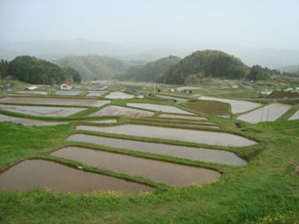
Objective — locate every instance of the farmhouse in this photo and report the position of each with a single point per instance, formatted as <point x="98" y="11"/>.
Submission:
<point x="67" y="85"/>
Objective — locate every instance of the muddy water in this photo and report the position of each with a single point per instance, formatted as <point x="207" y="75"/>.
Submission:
<point x="119" y="95"/>
<point x="55" y="101"/>
<point x="192" y="153"/>
<point x="124" y="111"/>
<point x="183" y="117"/>
<point x="237" y="106"/>
<point x="205" y="137"/>
<point x="158" y="171"/>
<point x="32" y="92"/>
<point x="266" y="113"/>
<point x="41" y="174"/>
<point x="173" y="98"/>
<point x="28" y="122"/>
<point x="42" y="111"/>
<point x="68" y="92"/>
<point x="295" y="116"/>
<point x="156" y="107"/>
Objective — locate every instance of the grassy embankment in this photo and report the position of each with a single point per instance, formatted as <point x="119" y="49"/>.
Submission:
<point x="264" y="191"/>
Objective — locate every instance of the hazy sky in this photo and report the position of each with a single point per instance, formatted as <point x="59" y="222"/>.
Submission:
<point x="255" y="23"/>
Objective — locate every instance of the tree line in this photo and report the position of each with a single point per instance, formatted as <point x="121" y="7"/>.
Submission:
<point x="36" y="71"/>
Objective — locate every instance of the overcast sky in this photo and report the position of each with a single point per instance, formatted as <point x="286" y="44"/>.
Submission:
<point x="253" y="23"/>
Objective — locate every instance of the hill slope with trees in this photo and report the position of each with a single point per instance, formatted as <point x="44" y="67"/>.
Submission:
<point x="208" y="63"/>
<point x="94" y="67"/>
<point x="150" y="72"/>
<point x="36" y="71"/>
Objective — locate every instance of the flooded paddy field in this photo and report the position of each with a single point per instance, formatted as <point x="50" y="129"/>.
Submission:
<point x="95" y="93"/>
<point x="156" y="107"/>
<point x="55" y="101"/>
<point x="158" y="171"/>
<point x="42" y="111"/>
<point x="173" y="98"/>
<point x="28" y="122"/>
<point x="41" y="174"/>
<point x="237" y="106"/>
<point x="267" y="113"/>
<point x="31" y="92"/>
<point x="192" y="153"/>
<point x="108" y="121"/>
<point x="119" y="95"/>
<point x="182" y="117"/>
<point x="124" y="111"/>
<point x="68" y="92"/>
<point x="203" y="137"/>
<point x="295" y="116"/>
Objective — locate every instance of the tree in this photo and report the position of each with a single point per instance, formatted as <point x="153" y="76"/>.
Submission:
<point x="74" y="74"/>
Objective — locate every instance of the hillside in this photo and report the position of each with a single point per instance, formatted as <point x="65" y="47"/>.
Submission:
<point x="208" y="63"/>
<point x="93" y="66"/>
<point x="36" y="71"/>
<point x="151" y="72"/>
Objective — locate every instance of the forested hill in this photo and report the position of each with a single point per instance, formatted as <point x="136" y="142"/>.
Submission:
<point x="94" y="66"/>
<point x="208" y="63"/>
<point x="151" y="72"/>
<point x="36" y="71"/>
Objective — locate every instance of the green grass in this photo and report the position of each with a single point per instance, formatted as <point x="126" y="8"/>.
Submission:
<point x="266" y="188"/>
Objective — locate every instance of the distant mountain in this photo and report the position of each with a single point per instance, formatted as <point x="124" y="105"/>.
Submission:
<point x="94" y="67"/>
<point x="291" y="69"/>
<point x="151" y="72"/>
<point x="208" y="63"/>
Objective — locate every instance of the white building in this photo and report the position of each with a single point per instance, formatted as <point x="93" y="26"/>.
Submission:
<point x="65" y="86"/>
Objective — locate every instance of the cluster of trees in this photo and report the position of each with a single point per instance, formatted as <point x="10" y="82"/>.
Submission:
<point x="207" y="63"/>
<point x="150" y="72"/>
<point x="36" y="71"/>
<point x="3" y="68"/>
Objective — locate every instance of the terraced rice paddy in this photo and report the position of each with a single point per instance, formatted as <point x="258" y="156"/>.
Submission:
<point x="162" y="172"/>
<point x="156" y="107"/>
<point x="237" y="106"/>
<point x="182" y="117"/>
<point x="173" y="98"/>
<point x="266" y="113"/>
<point x="95" y="93"/>
<point x="68" y="92"/>
<point x="109" y="121"/>
<point x="201" y="137"/>
<point x="55" y="101"/>
<point x="42" y="111"/>
<point x="32" y="92"/>
<point x="119" y="95"/>
<point x="192" y="153"/>
<point x="124" y="111"/>
<point x="46" y="175"/>
<point x="28" y="122"/>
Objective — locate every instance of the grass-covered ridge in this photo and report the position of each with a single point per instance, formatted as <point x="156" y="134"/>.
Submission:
<point x="267" y="188"/>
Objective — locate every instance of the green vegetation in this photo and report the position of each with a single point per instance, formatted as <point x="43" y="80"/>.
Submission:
<point x="94" y="67"/>
<point x="151" y="72"/>
<point x="266" y="189"/>
<point x="210" y="107"/>
<point x="206" y="64"/>
<point x="36" y="71"/>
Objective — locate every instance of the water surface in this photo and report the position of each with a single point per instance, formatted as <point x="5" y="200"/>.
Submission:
<point x="238" y="106"/>
<point x="122" y="111"/>
<point x="204" y="137"/>
<point x="192" y="153"/>
<point x="42" y="111"/>
<point x="156" y="107"/>
<point x="267" y="113"/>
<point x="41" y="174"/>
<point x="158" y="171"/>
